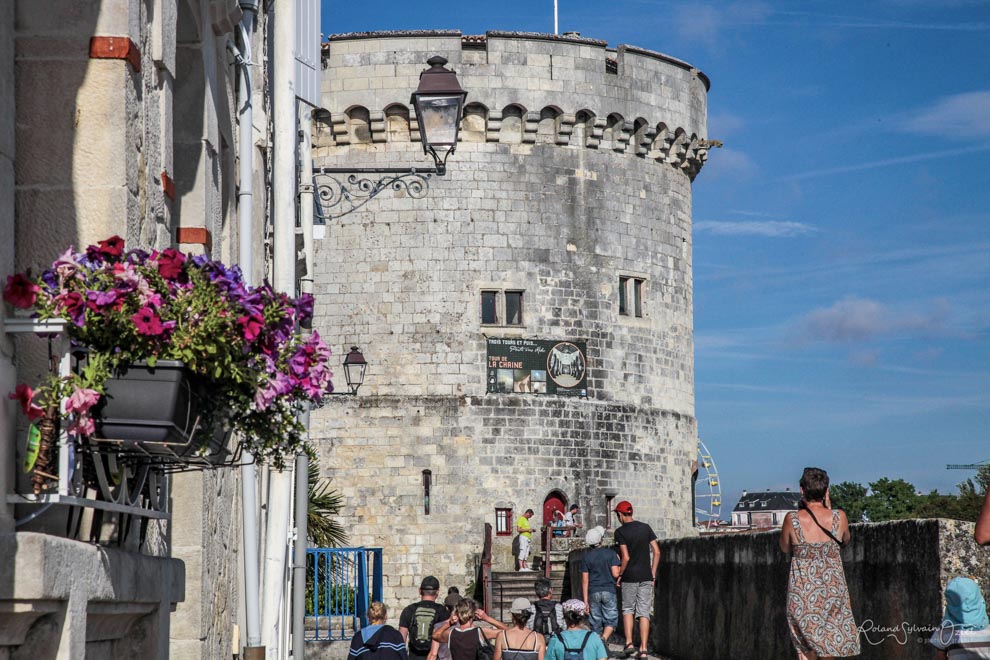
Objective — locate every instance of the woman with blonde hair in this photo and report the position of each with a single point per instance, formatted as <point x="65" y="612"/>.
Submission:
<point x="460" y="634"/>
<point x="378" y="640"/>
<point x="819" y="614"/>
<point x="518" y="642"/>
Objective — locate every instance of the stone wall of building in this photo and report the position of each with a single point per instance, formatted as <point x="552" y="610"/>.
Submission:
<point x="124" y="120"/>
<point x="724" y="596"/>
<point x="574" y="169"/>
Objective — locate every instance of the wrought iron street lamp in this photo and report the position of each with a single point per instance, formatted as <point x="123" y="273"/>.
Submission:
<point x="439" y="105"/>
<point x="354" y="368"/>
<point x="439" y="102"/>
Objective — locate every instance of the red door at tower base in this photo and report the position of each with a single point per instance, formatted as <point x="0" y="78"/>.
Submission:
<point x="555" y="502"/>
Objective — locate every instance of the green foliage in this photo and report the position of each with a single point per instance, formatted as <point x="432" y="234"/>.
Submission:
<point x="890" y="499"/>
<point x="324" y="504"/>
<point x="851" y="498"/>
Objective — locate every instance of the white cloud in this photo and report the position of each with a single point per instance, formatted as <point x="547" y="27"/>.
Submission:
<point x="886" y="162"/>
<point x="768" y="228"/>
<point x="854" y="320"/>
<point x="724" y="124"/>
<point x="729" y="163"/>
<point x="961" y="117"/>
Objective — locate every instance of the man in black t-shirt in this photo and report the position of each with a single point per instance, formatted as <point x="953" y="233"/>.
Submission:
<point x="637" y="575"/>
<point x="417" y="620"/>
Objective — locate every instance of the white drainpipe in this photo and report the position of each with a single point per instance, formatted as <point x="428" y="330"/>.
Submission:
<point x="245" y="218"/>
<point x="284" y="275"/>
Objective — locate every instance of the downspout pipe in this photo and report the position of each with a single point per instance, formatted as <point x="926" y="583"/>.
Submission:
<point x="302" y="459"/>
<point x="276" y="574"/>
<point x="245" y="222"/>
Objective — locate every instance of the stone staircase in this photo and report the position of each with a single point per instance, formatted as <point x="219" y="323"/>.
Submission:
<point x="509" y="585"/>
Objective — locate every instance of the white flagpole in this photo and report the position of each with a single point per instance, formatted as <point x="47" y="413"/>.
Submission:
<point x="555" y="30"/>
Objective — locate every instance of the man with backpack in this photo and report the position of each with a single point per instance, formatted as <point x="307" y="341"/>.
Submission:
<point x="417" y="621"/>
<point x="547" y="616"/>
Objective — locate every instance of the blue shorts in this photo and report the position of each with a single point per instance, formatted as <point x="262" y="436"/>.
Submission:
<point x="604" y="610"/>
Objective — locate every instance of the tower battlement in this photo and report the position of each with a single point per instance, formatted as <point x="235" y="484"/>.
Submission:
<point x="524" y="88"/>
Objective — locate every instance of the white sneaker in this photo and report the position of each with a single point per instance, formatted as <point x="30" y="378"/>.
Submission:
<point x="528" y="570"/>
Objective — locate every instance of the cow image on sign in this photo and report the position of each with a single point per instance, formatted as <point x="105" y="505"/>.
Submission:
<point x="565" y="364"/>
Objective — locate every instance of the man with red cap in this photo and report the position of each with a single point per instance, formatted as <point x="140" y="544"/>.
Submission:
<point x="639" y="553"/>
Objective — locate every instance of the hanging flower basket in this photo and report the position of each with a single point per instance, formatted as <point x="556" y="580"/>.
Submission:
<point x="179" y="353"/>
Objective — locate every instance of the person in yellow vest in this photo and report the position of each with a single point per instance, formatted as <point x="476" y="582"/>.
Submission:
<point x="525" y="539"/>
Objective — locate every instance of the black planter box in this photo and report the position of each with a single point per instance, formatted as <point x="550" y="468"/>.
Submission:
<point x="146" y="404"/>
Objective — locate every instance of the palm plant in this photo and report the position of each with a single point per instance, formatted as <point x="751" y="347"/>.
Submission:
<point x="325" y="503"/>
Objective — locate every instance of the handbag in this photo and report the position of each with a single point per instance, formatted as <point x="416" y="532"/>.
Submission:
<point x="485" y="649"/>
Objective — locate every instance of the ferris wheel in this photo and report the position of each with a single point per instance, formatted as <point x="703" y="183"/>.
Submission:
<point x="707" y="489"/>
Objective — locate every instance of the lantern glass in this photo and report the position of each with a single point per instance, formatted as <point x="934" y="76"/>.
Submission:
<point x="354" y="368"/>
<point x="438" y="119"/>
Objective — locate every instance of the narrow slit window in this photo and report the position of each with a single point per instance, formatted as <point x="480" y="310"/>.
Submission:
<point x="623" y="305"/>
<point x="489" y="307"/>
<point x="513" y="307"/>
<point x="638" y="297"/>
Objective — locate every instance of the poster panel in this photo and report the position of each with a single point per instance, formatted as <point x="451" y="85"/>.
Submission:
<point x="537" y="366"/>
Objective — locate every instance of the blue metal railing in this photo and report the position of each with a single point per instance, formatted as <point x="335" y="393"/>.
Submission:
<point x="340" y="584"/>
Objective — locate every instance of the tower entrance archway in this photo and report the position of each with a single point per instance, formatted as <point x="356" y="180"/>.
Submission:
<point x="555" y="501"/>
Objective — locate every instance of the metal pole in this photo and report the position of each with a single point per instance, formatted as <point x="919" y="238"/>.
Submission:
<point x="555" y="31"/>
<point x="302" y="459"/>
<point x="275" y="582"/>
<point x="299" y="563"/>
<point x="245" y="217"/>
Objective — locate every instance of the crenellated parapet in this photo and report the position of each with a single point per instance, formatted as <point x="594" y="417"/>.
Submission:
<point x="524" y="88"/>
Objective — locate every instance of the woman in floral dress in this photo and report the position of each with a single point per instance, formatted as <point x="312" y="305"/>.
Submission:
<point x="819" y="614"/>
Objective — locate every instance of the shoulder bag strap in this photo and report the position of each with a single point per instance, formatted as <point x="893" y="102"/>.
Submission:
<point x="830" y="534"/>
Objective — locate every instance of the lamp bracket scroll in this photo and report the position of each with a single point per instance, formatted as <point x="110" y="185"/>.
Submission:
<point x="343" y="190"/>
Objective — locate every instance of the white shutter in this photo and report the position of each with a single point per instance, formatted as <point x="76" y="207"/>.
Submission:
<point x="307" y="52"/>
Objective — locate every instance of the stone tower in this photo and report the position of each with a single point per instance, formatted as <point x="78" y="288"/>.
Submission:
<point x="529" y="320"/>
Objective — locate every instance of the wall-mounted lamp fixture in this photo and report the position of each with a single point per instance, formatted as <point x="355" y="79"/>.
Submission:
<point x="439" y="104"/>
<point x="354" y="368"/>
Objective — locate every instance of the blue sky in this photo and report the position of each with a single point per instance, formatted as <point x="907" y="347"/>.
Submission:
<point x="842" y="235"/>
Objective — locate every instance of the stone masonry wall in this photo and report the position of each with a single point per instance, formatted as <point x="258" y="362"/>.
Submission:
<point x="567" y="177"/>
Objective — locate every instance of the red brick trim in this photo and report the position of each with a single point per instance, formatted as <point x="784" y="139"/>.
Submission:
<point x="115" y="48"/>
<point x="168" y="185"/>
<point x="194" y="235"/>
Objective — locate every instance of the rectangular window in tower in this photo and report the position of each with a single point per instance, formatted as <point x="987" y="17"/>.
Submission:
<point x="638" y="285"/>
<point x="503" y="522"/>
<point x="489" y="307"/>
<point x="502" y="307"/>
<point x="513" y="307"/>
<point x="623" y="305"/>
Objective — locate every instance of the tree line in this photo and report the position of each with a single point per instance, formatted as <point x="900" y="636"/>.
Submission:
<point x="896" y="499"/>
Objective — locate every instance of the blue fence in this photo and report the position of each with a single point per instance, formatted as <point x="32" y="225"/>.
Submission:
<point x="340" y="584"/>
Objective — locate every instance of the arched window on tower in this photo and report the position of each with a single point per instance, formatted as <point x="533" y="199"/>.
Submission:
<point x="474" y="127"/>
<point x="359" y="125"/>
<point x="397" y="123"/>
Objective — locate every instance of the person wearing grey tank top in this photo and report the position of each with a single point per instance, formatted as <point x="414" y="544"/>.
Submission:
<point x="518" y="643"/>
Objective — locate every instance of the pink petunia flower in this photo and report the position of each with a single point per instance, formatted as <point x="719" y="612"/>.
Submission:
<point x="251" y="326"/>
<point x="25" y="396"/>
<point x="20" y="291"/>
<point x="112" y="247"/>
<point x="73" y="305"/>
<point x="81" y="400"/>
<point x="65" y="266"/>
<point x="170" y="263"/>
<point x="147" y="322"/>
<point x="82" y="425"/>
